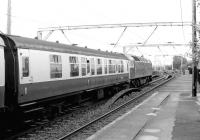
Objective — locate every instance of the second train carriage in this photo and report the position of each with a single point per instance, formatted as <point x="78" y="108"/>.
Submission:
<point x="140" y="70"/>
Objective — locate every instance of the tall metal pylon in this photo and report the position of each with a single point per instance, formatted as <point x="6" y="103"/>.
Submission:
<point x="9" y="18"/>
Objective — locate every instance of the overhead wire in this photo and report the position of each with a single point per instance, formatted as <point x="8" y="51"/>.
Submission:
<point x="120" y="37"/>
<point x="126" y="28"/>
<point x="139" y="51"/>
<point x="181" y="9"/>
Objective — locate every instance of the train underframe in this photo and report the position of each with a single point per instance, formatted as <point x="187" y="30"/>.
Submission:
<point x="138" y="82"/>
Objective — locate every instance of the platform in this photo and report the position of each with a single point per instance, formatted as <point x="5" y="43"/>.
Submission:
<point x="171" y="113"/>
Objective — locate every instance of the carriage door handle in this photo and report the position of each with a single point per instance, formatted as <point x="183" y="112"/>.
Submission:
<point x="31" y="79"/>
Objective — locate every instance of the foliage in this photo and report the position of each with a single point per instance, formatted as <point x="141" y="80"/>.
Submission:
<point x="177" y="62"/>
<point x="168" y="67"/>
<point x="189" y="63"/>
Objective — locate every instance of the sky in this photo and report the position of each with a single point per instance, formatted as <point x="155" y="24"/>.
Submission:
<point x="30" y="15"/>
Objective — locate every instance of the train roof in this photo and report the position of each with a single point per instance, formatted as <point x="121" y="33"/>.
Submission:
<point x="35" y="44"/>
<point x="137" y="58"/>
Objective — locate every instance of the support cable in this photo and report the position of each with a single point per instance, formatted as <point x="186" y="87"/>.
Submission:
<point x="139" y="51"/>
<point x="150" y="35"/>
<point x="147" y="38"/>
<point x="175" y="49"/>
<point x="160" y="50"/>
<point x="120" y="37"/>
<point x="182" y="20"/>
<point x="66" y="36"/>
<point x="48" y="35"/>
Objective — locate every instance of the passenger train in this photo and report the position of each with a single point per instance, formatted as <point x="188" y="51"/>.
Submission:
<point x="35" y="72"/>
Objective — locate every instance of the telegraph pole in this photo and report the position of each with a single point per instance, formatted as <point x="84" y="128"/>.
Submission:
<point x="194" y="50"/>
<point x="9" y="18"/>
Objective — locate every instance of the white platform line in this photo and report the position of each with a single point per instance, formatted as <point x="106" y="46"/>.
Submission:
<point x="120" y="118"/>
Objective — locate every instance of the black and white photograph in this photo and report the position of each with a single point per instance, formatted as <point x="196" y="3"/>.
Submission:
<point x="100" y="70"/>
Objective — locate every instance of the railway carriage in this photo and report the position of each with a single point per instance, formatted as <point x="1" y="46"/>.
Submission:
<point x="34" y="73"/>
<point x="45" y="70"/>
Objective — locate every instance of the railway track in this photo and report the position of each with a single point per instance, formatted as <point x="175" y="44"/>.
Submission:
<point x="65" y="137"/>
<point x="30" y="132"/>
<point x="31" y="127"/>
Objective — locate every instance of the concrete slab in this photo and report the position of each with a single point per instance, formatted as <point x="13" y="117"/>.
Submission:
<point x="178" y="118"/>
<point x="163" y="122"/>
<point x="127" y="126"/>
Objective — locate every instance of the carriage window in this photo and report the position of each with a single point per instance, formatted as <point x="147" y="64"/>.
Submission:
<point x="92" y="66"/>
<point x="88" y="66"/>
<point x="122" y="66"/>
<point x="119" y="66"/>
<point x="105" y="66"/>
<point x="99" y="66"/>
<point x="115" y="66"/>
<point x="55" y="66"/>
<point x="127" y="66"/>
<point x="25" y="66"/>
<point x="112" y="66"/>
<point x="74" y="66"/>
<point x="83" y="65"/>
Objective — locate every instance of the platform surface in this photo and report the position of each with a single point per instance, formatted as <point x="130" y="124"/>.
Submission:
<point x="171" y="113"/>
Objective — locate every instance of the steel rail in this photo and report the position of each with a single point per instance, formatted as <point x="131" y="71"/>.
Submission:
<point x="18" y="135"/>
<point x="114" y="110"/>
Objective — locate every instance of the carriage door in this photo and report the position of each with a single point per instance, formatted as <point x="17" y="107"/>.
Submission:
<point x="24" y="66"/>
<point x="2" y="76"/>
<point x="2" y="67"/>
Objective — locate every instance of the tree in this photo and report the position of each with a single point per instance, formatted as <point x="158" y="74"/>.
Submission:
<point x="168" y="67"/>
<point x="189" y="63"/>
<point x="177" y="62"/>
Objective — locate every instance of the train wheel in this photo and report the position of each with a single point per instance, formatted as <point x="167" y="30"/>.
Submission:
<point x="133" y="84"/>
<point x="108" y="92"/>
<point x="100" y="94"/>
<point x="3" y="121"/>
<point x="138" y="82"/>
<point x="16" y="119"/>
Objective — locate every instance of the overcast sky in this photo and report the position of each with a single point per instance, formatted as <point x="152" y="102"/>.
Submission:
<point x="29" y="15"/>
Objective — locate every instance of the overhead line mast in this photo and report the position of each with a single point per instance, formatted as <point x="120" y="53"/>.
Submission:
<point x="194" y="50"/>
<point x="9" y="18"/>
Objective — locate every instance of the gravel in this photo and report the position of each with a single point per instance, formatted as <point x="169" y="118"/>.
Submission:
<point x="74" y="120"/>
